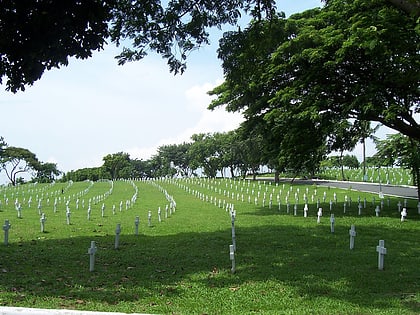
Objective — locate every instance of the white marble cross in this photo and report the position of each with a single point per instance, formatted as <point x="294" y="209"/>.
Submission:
<point x="377" y="211"/>
<point x="6" y="228"/>
<point x="19" y="211"/>
<point x="352" y="233"/>
<point x="232" y="257"/>
<point x="332" y="222"/>
<point x="319" y="214"/>
<point x="149" y="218"/>
<point x="136" y="225"/>
<point x="360" y="208"/>
<point x="305" y="210"/>
<point x="68" y="214"/>
<point x="381" y="254"/>
<point x="159" y="215"/>
<point x="117" y="235"/>
<point x="403" y="214"/>
<point x="91" y="252"/>
<point x="42" y="220"/>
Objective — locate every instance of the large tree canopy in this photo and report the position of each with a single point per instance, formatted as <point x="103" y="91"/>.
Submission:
<point x="350" y="59"/>
<point x="37" y="35"/>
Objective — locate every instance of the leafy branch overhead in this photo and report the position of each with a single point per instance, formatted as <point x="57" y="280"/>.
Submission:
<point x="39" y="35"/>
<point x="43" y="34"/>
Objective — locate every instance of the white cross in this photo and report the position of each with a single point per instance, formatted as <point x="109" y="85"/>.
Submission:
<point x="6" y="228"/>
<point x="381" y="254"/>
<point x="136" y="224"/>
<point x="117" y="235"/>
<point x="352" y="233"/>
<point x="232" y="257"/>
<point x="91" y="251"/>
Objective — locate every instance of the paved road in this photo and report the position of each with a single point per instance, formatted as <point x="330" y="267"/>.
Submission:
<point x="387" y="190"/>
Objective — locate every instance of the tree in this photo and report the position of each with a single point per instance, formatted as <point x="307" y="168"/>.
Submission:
<point x="354" y="60"/>
<point x="46" y="172"/>
<point x="15" y="161"/>
<point x="91" y="173"/>
<point x="403" y="151"/>
<point x="175" y="159"/>
<point x="205" y="153"/>
<point x="350" y="161"/>
<point x="41" y="35"/>
<point x="118" y="165"/>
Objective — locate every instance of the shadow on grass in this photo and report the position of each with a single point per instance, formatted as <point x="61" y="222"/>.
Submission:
<point x="310" y="261"/>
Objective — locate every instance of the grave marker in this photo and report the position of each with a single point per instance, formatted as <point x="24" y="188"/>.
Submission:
<point x="332" y="221"/>
<point x="19" y="211"/>
<point x="352" y="233"/>
<point x="117" y="235"/>
<point x="149" y="218"/>
<point x="232" y="257"/>
<point x="136" y="225"/>
<point x="6" y="228"/>
<point x="319" y="214"/>
<point x="91" y="252"/>
<point x="403" y="214"/>
<point x="381" y="254"/>
<point x="68" y="214"/>
<point x="42" y="221"/>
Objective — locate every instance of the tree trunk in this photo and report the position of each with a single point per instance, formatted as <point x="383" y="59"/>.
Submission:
<point x="276" y="176"/>
<point x="342" y="166"/>
<point x="411" y="7"/>
<point x="364" y="158"/>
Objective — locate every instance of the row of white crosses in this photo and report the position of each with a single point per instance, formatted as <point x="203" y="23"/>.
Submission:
<point x="229" y="208"/>
<point x="352" y="232"/>
<point x="216" y="187"/>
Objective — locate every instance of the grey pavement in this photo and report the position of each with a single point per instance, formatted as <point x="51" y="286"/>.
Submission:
<point x="387" y="190"/>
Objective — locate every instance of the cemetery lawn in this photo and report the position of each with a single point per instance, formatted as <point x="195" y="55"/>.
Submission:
<point x="285" y="264"/>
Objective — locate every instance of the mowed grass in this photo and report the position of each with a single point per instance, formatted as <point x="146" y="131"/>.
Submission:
<point x="285" y="264"/>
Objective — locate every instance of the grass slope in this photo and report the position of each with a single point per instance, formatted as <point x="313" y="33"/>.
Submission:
<point x="286" y="264"/>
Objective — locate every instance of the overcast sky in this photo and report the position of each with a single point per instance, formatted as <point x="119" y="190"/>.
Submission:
<point x="76" y="115"/>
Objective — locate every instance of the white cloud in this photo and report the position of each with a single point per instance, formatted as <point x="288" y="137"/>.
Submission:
<point x="197" y="99"/>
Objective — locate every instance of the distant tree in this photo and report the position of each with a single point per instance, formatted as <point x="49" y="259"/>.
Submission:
<point x="118" y="165"/>
<point x="205" y="153"/>
<point x="404" y="151"/>
<point x="15" y="161"/>
<point x="92" y="173"/>
<point x="350" y="161"/>
<point x="142" y="169"/>
<point x="46" y="172"/>
<point x="175" y="159"/>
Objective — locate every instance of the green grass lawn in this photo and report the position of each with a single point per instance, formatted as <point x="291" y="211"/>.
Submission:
<point x="285" y="264"/>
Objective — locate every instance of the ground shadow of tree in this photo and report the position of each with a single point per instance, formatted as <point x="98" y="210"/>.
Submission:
<point x="313" y="261"/>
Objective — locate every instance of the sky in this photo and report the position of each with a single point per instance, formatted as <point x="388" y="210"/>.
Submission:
<point x="76" y="115"/>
